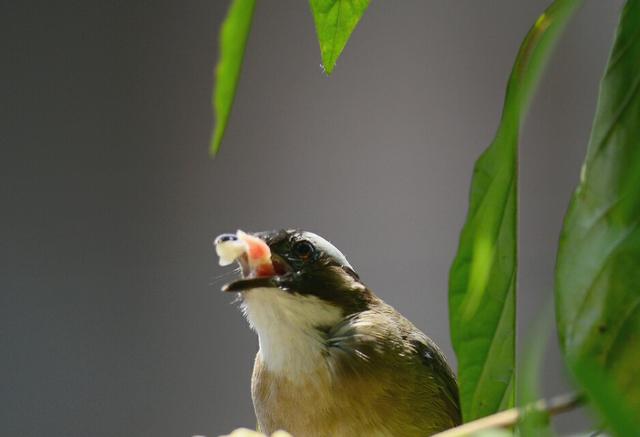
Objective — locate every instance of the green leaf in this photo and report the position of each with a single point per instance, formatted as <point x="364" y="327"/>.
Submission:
<point x="233" y="41"/>
<point x="598" y="265"/>
<point x="606" y="399"/>
<point x="335" y="21"/>
<point x="482" y="281"/>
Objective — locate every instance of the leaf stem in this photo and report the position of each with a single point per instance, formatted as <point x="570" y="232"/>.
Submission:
<point x="554" y="406"/>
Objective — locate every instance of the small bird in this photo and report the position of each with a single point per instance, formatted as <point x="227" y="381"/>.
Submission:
<point x="333" y="358"/>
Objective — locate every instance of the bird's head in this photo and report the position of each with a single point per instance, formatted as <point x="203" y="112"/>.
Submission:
<point x="295" y="289"/>
<point x="295" y="266"/>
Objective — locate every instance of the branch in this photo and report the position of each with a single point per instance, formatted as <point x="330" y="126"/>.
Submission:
<point x="557" y="405"/>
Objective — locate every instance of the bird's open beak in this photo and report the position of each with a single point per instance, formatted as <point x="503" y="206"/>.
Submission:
<point x="259" y="267"/>
<point x="251" y="283"/>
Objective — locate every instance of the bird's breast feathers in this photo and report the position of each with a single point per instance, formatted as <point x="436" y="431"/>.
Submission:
<point x="287" y="326"/>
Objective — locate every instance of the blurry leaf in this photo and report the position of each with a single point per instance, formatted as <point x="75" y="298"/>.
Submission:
<point x="606" y="399"/>
<point x="534" y="422"/>
<point x="598" y="267"/>
<point x="335" y="20"/>
<point x="233" y="40"/>
<point x="483" y="276"/>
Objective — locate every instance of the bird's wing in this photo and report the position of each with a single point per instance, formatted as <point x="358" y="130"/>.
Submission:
<point x="430" y="356"/>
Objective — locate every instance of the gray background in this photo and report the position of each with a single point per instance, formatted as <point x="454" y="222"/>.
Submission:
<point x="111" y="319"/>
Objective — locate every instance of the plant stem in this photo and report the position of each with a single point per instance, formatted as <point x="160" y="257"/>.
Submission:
<point x="508" y="418"/>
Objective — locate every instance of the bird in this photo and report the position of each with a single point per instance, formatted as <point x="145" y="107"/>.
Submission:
<point x="334" y="359"/>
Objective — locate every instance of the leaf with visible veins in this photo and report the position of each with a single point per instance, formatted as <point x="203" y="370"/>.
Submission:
<point x="335" y="21"/>
<point x="482" y="281"/>
<point x="598" y="266"/>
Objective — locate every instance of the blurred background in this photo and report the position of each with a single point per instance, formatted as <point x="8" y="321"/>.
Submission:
<point x="111" y="318"/>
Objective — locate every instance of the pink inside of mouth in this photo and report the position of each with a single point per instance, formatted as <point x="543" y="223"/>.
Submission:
<point x="265" y="270"/>
<point x="279" y="267"/>
<point x="259" y="256"/>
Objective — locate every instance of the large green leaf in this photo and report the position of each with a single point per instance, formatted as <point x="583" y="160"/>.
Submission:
<point x="482" y="280"/>
<point x="335" y="21"/>
<point x="233" y="41"/>
<point x="598" y="266"/>
<point x="605" y="397"/>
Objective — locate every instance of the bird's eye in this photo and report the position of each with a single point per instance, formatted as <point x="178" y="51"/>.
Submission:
<point x="303" y="250"/>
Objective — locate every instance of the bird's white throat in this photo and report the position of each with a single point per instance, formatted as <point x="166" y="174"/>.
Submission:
<point x="286" y="326"/>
